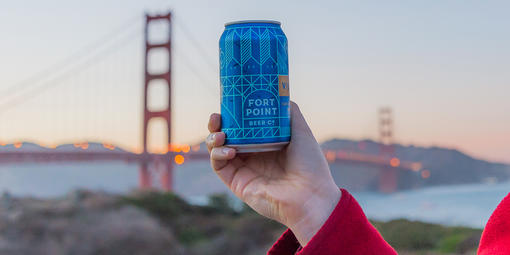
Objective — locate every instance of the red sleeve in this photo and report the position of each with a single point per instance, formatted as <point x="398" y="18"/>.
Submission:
<point x="496" y="235"/>
<point x="346" y="231"/>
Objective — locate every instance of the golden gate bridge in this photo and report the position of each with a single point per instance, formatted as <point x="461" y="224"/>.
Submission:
<point x="63" y="100"/>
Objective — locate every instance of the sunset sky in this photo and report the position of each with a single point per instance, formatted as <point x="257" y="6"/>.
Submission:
<point x="442" y="66"/>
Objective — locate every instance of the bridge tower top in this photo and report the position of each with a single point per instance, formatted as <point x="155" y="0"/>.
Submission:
<point x="386" y="130"/>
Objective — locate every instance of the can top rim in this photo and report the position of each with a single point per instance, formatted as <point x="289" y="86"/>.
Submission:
<point x="252" y="21"/>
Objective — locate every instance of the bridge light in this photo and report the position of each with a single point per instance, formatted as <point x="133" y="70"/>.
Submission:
<point x="196" y="147"/>
<point x="330" y="156"/>
<point x="425" y="174"/>
<point x="18" y="145"/>
<point x="84" y="146"/>
<point x="186" y="148"/>
<point x="3" y="143"/>
<point x="395" y="162"/>
<point x="108" y="146"/>
<point x="416" y="166"/>
<point x="342" y="154"/>
<point x="173" y="147"/>
<point x="179" y="159"/>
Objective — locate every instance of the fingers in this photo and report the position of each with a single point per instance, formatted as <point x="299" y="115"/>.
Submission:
<point x="219" y="154"/>
<point x="214" y="123"/>
<point x="222" y="153"/>
<point x="214" y="140"/>
<point x="220" y="157"/>
<point x="227" y="172"/>
<point x="223" y="159"/>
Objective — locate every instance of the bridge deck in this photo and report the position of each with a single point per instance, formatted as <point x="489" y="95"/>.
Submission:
<point x="10" y="157"/>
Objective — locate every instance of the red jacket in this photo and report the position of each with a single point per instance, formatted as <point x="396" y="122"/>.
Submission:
<point x="347" y="231"/>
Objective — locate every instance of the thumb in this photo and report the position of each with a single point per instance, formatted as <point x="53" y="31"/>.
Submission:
<point x="299" y="128"/>
<point x="303" y="145"/>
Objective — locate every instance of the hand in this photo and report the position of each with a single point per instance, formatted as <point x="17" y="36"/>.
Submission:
<point x="292" y="186"/>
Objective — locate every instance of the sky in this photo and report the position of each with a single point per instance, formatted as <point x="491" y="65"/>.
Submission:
<point x="442" y="66"/>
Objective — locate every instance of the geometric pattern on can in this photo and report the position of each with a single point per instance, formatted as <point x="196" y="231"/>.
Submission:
<point x="253" y="64"/>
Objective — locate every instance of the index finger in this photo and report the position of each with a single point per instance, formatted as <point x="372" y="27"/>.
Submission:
<point x="214" y="123"/>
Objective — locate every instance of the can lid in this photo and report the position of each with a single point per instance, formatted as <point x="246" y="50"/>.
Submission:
<point x="253" y="21"/>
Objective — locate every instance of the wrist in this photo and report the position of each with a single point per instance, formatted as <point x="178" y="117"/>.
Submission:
<point x="315" y="211"/>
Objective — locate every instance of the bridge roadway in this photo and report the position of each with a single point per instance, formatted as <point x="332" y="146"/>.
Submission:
<point x="83" y="156"/>
<point x="11" y="157"/>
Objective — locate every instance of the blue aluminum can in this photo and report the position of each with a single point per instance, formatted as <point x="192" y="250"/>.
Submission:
<point x="254" y="78"/>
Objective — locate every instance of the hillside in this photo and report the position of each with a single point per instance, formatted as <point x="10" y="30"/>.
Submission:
<point x="446" y="166"/>
<point x="85" y="222"/>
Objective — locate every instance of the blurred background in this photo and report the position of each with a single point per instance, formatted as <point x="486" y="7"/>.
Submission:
<point x="408" y="100"/>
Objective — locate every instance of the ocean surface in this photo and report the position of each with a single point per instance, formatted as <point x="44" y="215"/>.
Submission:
<point x="466" y="205"/>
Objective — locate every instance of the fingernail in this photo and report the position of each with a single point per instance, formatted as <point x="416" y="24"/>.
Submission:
<point x="226" y="151"/>
<point x="213" y="137"/>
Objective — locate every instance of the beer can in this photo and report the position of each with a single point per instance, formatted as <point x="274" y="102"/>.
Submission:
<point x="254" y="81"/>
